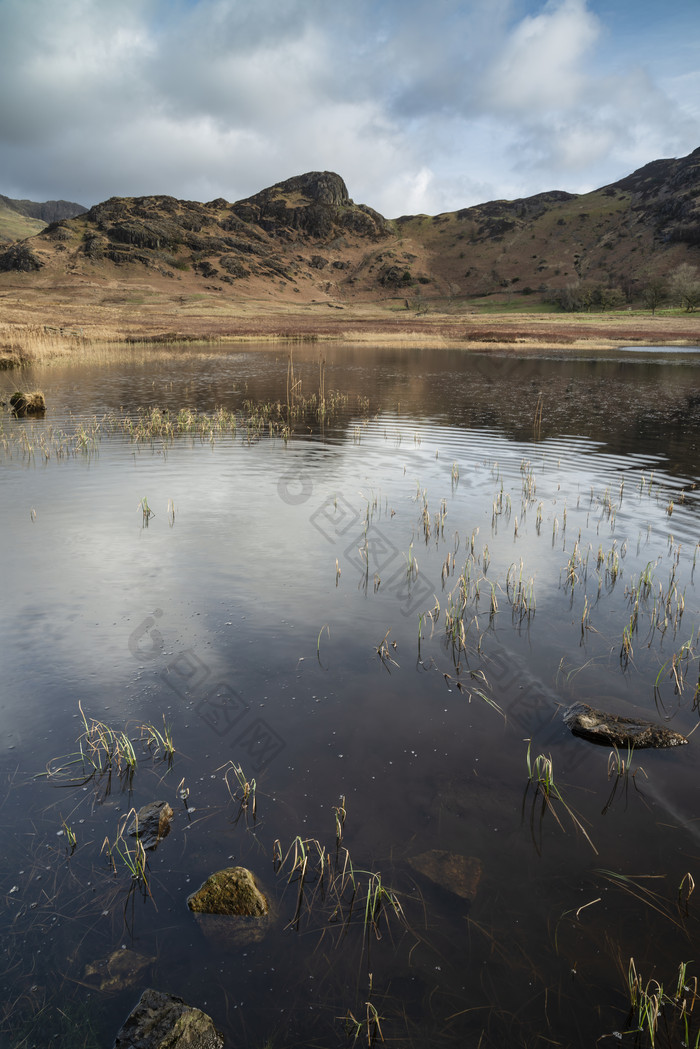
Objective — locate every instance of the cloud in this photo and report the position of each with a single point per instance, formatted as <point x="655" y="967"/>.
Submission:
<point x="540" y="66"/>
<point x="419" y="106"/>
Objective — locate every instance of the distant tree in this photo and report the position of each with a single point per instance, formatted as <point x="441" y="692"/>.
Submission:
<point x="684" y="286"/>
<point x="568" y="298"/>
<point x="654" y="292"/>
<point x="604" y="297"/>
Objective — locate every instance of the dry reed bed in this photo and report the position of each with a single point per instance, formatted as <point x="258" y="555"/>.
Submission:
<point x="88" y="336"/>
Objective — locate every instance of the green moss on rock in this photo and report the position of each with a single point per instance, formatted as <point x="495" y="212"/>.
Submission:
<point x="230" y="891"/>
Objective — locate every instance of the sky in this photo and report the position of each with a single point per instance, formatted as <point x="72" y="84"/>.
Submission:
<point x="420" y="105"/>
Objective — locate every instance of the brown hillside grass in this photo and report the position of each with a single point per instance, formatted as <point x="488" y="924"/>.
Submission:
<point x="44" y="319"/>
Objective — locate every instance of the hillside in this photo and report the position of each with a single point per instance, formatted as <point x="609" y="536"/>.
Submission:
<point x="20" y="219"/>
<point x="305" y="240"/>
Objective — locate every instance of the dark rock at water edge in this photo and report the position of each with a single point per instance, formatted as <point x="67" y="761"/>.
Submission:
<point x="610" y="730"/>
<point x="151" y="823"/>
<point x="28" y="403"/>
<point x="162" y="1021"/>
<point x="232" y="891"/>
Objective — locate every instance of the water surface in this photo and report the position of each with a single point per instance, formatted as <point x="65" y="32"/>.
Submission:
<point x="275" y="611"/>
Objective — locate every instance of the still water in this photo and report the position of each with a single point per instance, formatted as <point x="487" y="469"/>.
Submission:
<point x="387" y="604"/>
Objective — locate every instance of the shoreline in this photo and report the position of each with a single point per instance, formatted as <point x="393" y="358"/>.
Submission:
<point x="76" y="330"/>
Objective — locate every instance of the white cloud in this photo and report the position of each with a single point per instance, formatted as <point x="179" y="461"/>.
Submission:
<point x="540" y="66"/>
<point x="419" y="106"/>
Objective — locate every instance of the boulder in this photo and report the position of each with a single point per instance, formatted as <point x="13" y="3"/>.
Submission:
<point x="610" y="730"/>
<point x="151" y="823"/>
<point x="231" y="910"/>
<point x="232" y="891"/>
<point x="162" y="1021"/>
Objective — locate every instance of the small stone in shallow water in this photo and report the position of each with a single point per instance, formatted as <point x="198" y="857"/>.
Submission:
<point x="151" y="823"/>
<point x="458" y="874"/>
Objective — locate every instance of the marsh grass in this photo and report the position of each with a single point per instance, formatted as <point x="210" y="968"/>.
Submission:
<point x="634" y="886"/>
<point x="255" y="420"/>
<point x="104" y="752"/>
<point x="540" y="779"/>
<point x="660" y="1016"/>
<point x="369" y="1028"/>
<point x="243" y="791"/>
<point x="131" y="857"/>
<point x="331" y="893"/>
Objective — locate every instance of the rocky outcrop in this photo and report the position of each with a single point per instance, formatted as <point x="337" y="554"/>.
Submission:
<point x="21" y="258"/>
<point x="162" y="1021"/>
<point x="610" y="730"/>
<point x="315" y="205"/>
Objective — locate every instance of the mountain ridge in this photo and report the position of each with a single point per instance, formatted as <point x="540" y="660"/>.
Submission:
<point x="306" y="237"/>
<point x="23" y="218"/>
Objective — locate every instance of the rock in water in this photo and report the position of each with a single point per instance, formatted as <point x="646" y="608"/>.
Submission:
<point x="230" y="891"/>
<point x="458" y="874"/>
<point x="151" y="823"/>
<point x="162" y="1021"/>
<point x="28" y="403"/>
<point x="610" y="730"/>
<point x="120" y="970"/>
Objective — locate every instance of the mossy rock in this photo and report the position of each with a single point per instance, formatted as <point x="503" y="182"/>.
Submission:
<point x="162" y="1021"/>
<point x="232" y="891"/>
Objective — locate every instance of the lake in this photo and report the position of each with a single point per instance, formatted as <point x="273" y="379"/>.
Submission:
<point x="371" y="581"/>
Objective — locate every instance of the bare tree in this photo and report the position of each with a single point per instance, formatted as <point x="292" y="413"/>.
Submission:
<point x="653" y="293"/>
<point x="684" y="286"/>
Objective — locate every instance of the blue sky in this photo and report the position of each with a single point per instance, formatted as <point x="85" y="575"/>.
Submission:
<point x="421" y="105"/>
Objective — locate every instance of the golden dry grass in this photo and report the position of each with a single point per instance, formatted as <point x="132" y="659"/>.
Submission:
<point x="44" y="320"/>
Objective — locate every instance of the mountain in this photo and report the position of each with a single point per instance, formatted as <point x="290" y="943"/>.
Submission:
<point x="23" y="218"/>
<point x="305" y="239"/>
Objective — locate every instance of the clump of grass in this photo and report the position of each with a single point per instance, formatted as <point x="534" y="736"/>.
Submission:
<point x="540" y="772"/>
<point x="159" y="742"/>
<point x="655" y="1011"/>
<point x="132" y="857"/>
<point x="104" y="751"/>
<point x="146" y="511"/>
<point x="383" y="651"/>
<point x="69" y="833"/>
<point x="244" y="790"/>
<point x="370" y="1026"/>
<point x="333" y="888"/>
<point x="31" y="403"/>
